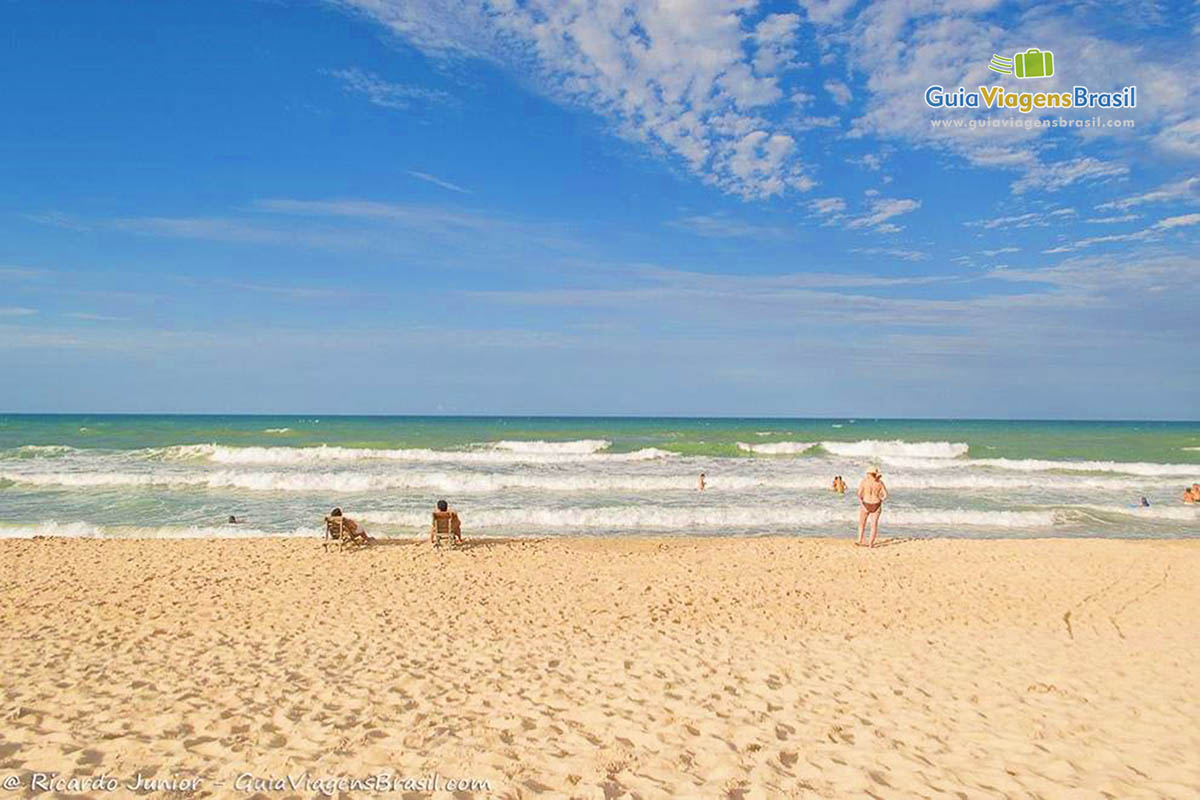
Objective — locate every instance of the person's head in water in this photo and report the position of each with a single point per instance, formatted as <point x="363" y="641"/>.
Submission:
<point x="337" y="512"/>
<point x="232" y="519"/>
<point x="442" y="505"/>
<point x="1145" y="503"/>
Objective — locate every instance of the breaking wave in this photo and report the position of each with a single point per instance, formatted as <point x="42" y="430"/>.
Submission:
<point x="576" y="448"/>
<point x="871" y="448"/>
<point x="223" y="454"/>
<point x="452" y="482"/>
<point x="1041" y="465"/>
<point x="37" y="451"/>
<point x="776" y="448"/>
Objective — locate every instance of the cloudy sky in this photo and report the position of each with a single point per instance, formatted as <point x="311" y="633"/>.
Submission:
<point x="678" y="207"/>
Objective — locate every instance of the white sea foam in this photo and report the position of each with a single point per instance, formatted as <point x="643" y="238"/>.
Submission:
<point x="223" y="454"/>
<point x="775" y="448"/>
<point x="1042" y="465"/>
<point x="871" y="448"/>
<point x="88" y="530"/>
<point x="453" y="481"/>
<point x="88" y="479"/>
<point x="37" y="451"/>
<point x="1180" y="513"/>
<point x="277" y="430"/>
<point x="73" y="530"/>
<point x="740" y="517"/>
<point x="1190" y="448"/>
<point x="445" y="481"/>
<point x="578" y="447"/>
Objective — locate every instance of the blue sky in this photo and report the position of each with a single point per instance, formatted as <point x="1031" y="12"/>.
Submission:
<point x="707" y="207"/>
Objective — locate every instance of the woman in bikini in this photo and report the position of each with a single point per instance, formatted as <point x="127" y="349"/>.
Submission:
<point x="871" y="494"/>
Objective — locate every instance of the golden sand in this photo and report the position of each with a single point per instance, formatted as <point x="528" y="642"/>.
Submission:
<point x="607" y="668"/>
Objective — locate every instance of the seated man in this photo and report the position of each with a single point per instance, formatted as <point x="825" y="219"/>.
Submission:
<point x="350" y="529"/>
<point x="445" y="517"/>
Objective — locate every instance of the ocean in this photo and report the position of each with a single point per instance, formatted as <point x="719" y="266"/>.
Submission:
<point x="183" y="476"/>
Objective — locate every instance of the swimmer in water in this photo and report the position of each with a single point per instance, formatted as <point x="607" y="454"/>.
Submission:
<point x="700" y="483"/>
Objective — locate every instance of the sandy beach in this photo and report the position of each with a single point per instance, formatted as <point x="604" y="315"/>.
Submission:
<point x="604" y="668"/>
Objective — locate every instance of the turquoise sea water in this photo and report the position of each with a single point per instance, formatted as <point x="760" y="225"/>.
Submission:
<point x="100" y="475"/>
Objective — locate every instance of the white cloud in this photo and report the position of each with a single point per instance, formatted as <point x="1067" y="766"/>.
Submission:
<point x="1187" y="189"/>
<point x="693" y="80"/>
<point x="94" y="317"/>
<point x="1000" y="251"/>
<point x="58" y="220"/>
<point x="17" y="311"/>
<point x="1180" y="221"/>
<point x="882" y="209"/>
<point x="826" y="11"/>
<point x="774" y="37"/>
<point x="1113" y="220"/>
<point x="1052" y="177"/>
<point x="839" y="91"/>
<point x="827" y="205"/>
<point x="436" y="181"/>
<point x="894" y="252"/>
<point x="1030" y="219"/>
<point x="1182" y="138"/>
<point x="871" y="161"/>
<point x="721" y="226"/>
<point x="808" y="123"/>
<point x="379" y="92"/>
<point x="1151" y="233"/>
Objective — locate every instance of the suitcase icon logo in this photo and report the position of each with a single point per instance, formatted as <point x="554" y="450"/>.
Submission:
<point x="1033" y="63"/>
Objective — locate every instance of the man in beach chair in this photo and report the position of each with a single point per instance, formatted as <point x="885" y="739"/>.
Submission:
<point x="445" y="525"/>
<point x="344" y="531"/>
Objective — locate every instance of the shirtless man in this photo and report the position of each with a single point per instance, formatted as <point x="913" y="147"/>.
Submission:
<point x="700" y="485"/>
<point x="444" y="512"/>
<point x="871" y="494"/>
<point x="350" y="529"/>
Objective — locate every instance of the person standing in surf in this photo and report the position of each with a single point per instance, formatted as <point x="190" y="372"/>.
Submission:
<point x="871" y="494"/>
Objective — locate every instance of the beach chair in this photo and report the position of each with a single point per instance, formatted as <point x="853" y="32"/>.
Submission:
<point x="337" y="536"/>
<point x="445" y="526"/>
<point x="333" y="533"/>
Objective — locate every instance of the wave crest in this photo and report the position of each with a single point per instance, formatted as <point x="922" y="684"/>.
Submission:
<point x="776" y="448"/>
<point x="1144" y="468"/>
<point x="224" y="454"/>
<point x="873" y="448"/>
<point x="578" y="447"/>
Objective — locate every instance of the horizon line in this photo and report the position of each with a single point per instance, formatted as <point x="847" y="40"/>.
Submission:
<point x="343" y="415"/>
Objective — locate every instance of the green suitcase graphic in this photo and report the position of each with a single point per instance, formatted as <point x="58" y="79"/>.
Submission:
<point x="1034" y="63"/>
